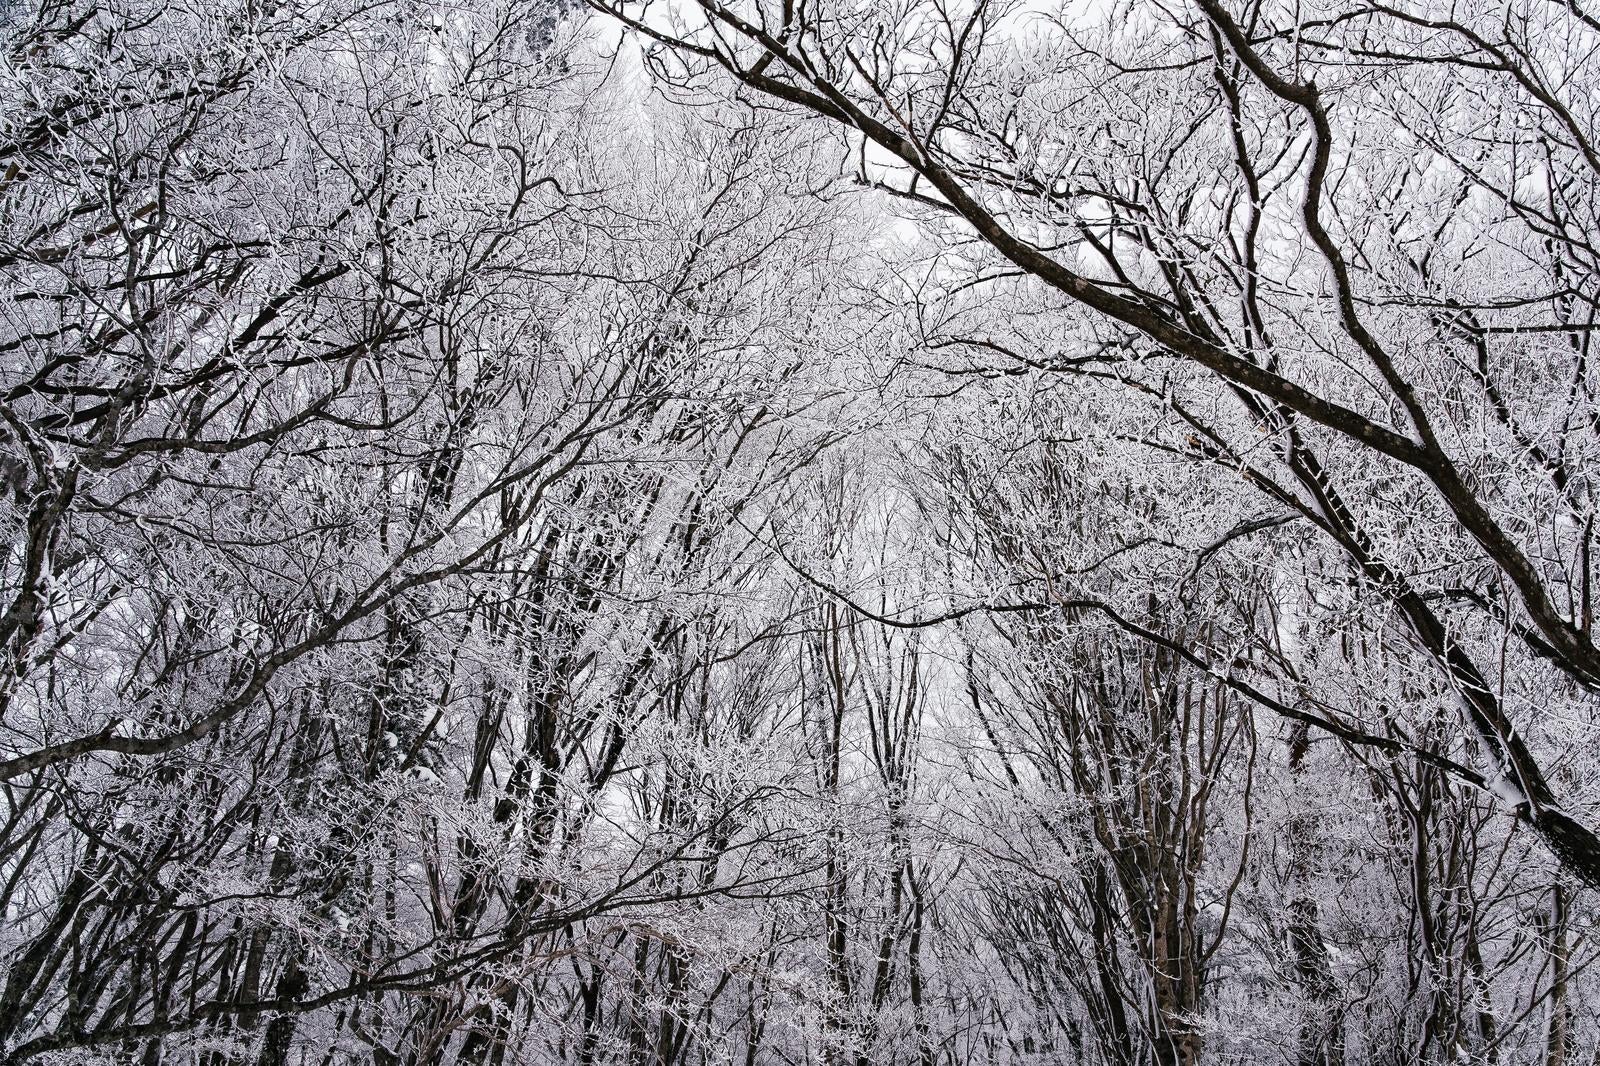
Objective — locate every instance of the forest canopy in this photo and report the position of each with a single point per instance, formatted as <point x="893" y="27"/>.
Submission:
<point x="912" y="533"/>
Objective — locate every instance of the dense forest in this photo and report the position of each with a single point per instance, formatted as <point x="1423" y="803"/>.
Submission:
<point x="777" y="532"/>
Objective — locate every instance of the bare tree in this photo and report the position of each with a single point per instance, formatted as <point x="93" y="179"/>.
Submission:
<point x="956" y="531"/>
<point x="1212" y="187"/>
<point x="371" y="448"/>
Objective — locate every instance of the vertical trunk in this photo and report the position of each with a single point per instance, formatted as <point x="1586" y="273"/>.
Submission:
<point x="1558" y="1043"/>
<point x="1322" y="1035"/>
<point x="280" y="1031"/>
